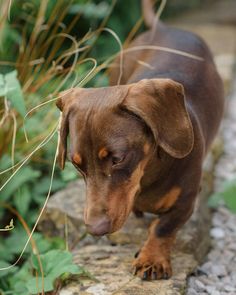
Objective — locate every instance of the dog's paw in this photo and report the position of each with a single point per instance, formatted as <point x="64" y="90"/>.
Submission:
<point x="149" y="266"/>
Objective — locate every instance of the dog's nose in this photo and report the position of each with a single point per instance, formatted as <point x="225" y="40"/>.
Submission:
<point x="99" y="227"/>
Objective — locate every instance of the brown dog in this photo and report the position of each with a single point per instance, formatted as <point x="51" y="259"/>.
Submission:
<point x="140" y="146"/>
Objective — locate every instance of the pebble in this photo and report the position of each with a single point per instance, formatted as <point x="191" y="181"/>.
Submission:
<point x="229" y="288"/>
<point x="191" y="291"/>
<point x="219" y="270"/>
<point x="200" y="286"/>
<point x="218" y="276"/>
<point x="217" y="233"/>
<point x="210" y="289"/>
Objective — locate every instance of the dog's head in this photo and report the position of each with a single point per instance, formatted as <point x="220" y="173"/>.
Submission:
<point x="113" y="133"/>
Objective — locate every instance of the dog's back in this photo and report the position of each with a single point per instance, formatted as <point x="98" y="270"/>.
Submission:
<point x="165" y="52"/>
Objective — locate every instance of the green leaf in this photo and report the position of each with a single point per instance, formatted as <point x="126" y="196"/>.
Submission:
<point x="22" y="199"/>
<point x="4" y="273"/>
<point x="230" y="198"/>
<point x="69" y="173"/>
<point x="2" y="86"/>
<point x="16" y="241"/>
<point x="227" y="196"/>
<point x="41" y="188"/>
<point x="56" y="263"/>
<point x="26" y="174"/>
<point x="91" y="10"/>
<point x="14" y="92"/>
<point x="19" y="279"/>
<point x="215" y="200"/>
<point x="35" y="285"/>
<point x="5" y="254"/>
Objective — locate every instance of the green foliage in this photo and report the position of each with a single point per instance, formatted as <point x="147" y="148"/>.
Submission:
<point x="11" y="89"/>
<point x="226" y="196"/>
<point x="55" y="264"/>
<point x="57" y="267"/>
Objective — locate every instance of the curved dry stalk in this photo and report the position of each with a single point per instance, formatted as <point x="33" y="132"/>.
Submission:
<point x="165" y="49"/>
<point x="100" y="28"/>
<point x="22" y="162"/>
<point x="43" y="208"/>
<point x="8" y="227"/>
<point x="121" y="52"/>
<point x="84" y="80"/>
<point x="157" y="18"/>
<point x="13" y="138"/>
<point x="32" y="241"/>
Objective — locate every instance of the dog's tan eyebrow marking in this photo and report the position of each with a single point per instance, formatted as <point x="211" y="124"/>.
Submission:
<point x="103" y="153"/>
<point x="77" y="158"/>
<point x="146" y="148"/>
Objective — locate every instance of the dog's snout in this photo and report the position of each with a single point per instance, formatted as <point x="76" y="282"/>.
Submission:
<point x="99" y="227"/>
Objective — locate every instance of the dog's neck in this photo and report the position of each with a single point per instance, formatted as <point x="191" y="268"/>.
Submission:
<point x="157" y="168"/>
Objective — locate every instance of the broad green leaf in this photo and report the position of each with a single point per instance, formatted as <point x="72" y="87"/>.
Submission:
<point x="4" y="273"/>
<point x="19" y="279"/>
<point x="26" y="174"/>
<point x="43" y="244"/>
<point x="69" y="173"/>
<point x="5" y="254"/>
<point x="41" y="188"/>
<point x="35" y="285"/>
<point x="230" y="198"/>
<point x="91" y="10"/>
<point x="16" y="241"/>
<point x="22" y="199"/>
<point x="56" y="263"/>
<point x="215" y="200"/>
<point x="5" y="162"/>
<point x="14" y="92"/>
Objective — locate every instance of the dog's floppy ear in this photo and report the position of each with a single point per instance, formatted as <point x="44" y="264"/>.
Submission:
<point x="64" y="100"/>
<point x="160" y="103"/>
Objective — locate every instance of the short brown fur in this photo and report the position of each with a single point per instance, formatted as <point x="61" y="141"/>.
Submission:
<point x="156" y="128"/>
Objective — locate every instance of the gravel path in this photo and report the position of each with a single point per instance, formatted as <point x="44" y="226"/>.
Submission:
<point x="217" y="276"/>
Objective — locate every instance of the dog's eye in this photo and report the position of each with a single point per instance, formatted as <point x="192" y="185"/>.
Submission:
<point x="117" y="160"/>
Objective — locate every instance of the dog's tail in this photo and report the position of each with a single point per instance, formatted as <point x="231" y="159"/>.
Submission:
<point x="150" y="17"/>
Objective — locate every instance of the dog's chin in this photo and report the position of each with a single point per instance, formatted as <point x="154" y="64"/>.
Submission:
<point x="117" y="225"/>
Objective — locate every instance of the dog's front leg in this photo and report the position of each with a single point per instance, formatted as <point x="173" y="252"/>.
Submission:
<point x="153" y="260"/>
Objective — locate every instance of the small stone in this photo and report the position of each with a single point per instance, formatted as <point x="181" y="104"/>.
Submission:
<point x="217" y="233"/>
<point x="206" y="267"/>
<point x="211" y="289"/>
<point x="229" y="288"/>
<point x="98" y="289"/>
<point x="191" y="291"/>
<point x="219" y="270"/>
<point x="200" y="286"/>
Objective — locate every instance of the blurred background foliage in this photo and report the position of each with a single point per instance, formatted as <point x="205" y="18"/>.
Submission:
<point x="44" y="48"/>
